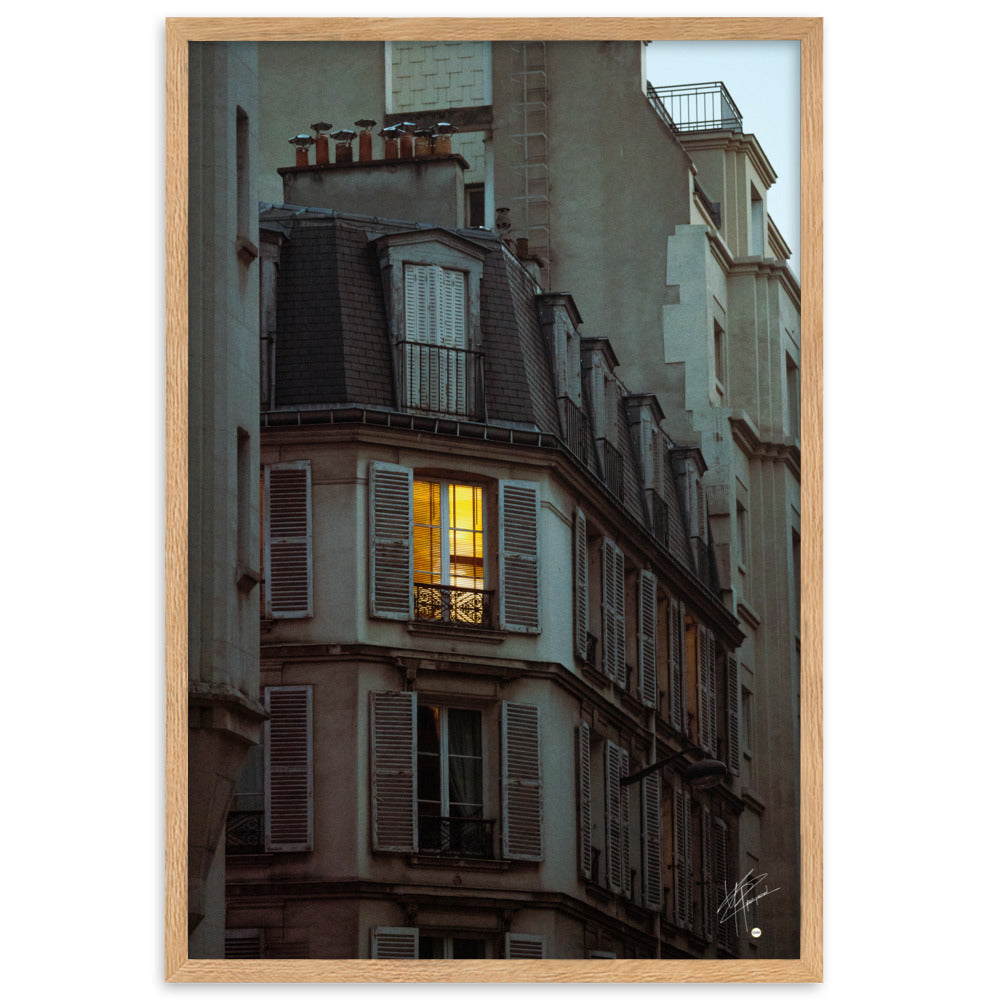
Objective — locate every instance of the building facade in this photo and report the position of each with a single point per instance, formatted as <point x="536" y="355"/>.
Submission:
<point x="656" y="217"/>
<point x="224" y="713"/>
<point x="489" y="601"/>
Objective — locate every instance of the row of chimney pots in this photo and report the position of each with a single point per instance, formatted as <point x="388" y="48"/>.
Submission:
<point x="402" y="141"/>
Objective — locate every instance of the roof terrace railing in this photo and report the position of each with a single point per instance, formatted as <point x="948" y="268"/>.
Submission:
<point x="695" y="107"/>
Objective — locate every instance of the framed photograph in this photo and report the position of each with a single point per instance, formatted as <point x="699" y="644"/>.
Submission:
<point x="494" y="534"/>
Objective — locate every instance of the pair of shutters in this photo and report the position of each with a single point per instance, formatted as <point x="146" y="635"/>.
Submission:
<point x="617" y="807"/>
<point x="613" y="614"/>
<point x="393" y="762"/>
<point x="287" y="519"/>
<point x="391" y="548"/>
<point x="404" y="942"/>
<point x="716" y="879"/>
<point x="435" y="317"/>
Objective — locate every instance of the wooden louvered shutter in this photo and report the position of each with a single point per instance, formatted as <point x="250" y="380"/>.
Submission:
<point x="390" y="527"/>
<point x="616" y="817"/>
<point x="581" y="591"/>
<point x="713" y="697"/>
<point x="708" y="903"/>
<point x="647" y="638"/>
<point x="613" y="605"/>
<point x="288" y="778"/>
<point x="393" y="755"/>
<point x="521" y="782"/>
<point x="583" y="799"/>
<point x="519" y="594"/>
<point x="683" y="900"/>
<point x="723" y="883"/>
<point x="732" y="715"/>
<point x="707" y="701"/>
<point x="395" y="942"/>
<point x="524" y="946"/>
<point x="288" y="540"/>
<point x="677" y="665"/>
<point x="451" y="303"/>
<point x="652" y="879"/>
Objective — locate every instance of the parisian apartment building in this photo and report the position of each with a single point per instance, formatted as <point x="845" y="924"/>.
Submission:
<point x="526" y="577"/>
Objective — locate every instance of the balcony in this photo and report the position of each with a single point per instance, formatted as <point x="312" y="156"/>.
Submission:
<point x="456" y="837"/>
<point x="614" y="469"/>
<point x="458" y="606"/>
<point x="575" y="431"/>
<point x="695" y="107"/>
<point x="444" y="381"/>
<point x="245" y="833"/>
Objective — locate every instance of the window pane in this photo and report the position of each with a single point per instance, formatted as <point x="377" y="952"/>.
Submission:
<point x="431" y="947"/>
<point x="464" y="948"/>
<point x="466" y="536"/>
<point x="429" y="756"/>
<point x="426" y="532"/>
<point x="465" y="762"/>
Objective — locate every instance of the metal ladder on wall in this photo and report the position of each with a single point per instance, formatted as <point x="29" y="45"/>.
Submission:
<point x="531" y="205"/>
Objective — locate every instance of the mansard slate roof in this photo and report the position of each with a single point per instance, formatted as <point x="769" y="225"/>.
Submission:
<point x="333" y="348"/>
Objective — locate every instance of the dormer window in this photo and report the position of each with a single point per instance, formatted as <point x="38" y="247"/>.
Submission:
<point x="431" y="283"/>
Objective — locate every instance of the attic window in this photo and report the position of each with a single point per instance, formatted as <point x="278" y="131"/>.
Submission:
<point x="431" y="283"/>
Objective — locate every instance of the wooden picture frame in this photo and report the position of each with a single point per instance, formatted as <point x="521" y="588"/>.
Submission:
<point x="809" y="33"/>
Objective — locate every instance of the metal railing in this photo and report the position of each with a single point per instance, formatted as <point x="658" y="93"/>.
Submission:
<point x="245" y="832"/>
<point x="704" y="564"/>
<point x="452" y="605"/>
<point x="661" y="520"/>
<point x="574" y="427"/>
<point x="696" y="107"/>
<point x="446" y="381"/>
<point x="469" y="838"/>
<point x="614" y="469"/>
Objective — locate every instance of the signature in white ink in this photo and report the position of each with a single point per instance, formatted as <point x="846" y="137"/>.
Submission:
<point x="742" y="897"/>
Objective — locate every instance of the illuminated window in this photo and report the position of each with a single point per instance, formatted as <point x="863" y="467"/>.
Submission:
<point x="448" y="565"/>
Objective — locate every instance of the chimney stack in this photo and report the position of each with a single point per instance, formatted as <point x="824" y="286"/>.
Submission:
<point x="442" y="138"/>
<point x="365" y="138"/>
<point x="405" y="139"/>
<point x="302" y="142"/>
<point x="322" y="130"/>
<point x="345" y="151"/>
<point x="391" y="136"/>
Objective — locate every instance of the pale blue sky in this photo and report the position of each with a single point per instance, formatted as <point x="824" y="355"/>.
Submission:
<point x="763" y="80"/>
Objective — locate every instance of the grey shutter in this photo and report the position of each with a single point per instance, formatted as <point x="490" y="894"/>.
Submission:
<point x="683" y="900"/>
<point x="524" y="946"/>
<point x="583" y="799"/>
<point x="393" y="756"/>
<point x="519" y="596"/>
<point x="652" y="880"/>
<point x="732" y="715"/>
<point x="677" y="665"/>
<point x="288" y="540"/>
<point x="395" y="942"/>
<point x="647" y="638"/>
<point x="288" y="777"/>
<point x="521" y="782"/>
<point x="613" y="606"/>
<point x="708" y="903"/>
<point x="707" y="705"/>
<point x="713" y="697"/>
<point x="615" y="811"/>
<point x="390" y="527"/>
<point x="626" y="831"/>
<point x="723" y="883"/>
<point x="581" y="591"/>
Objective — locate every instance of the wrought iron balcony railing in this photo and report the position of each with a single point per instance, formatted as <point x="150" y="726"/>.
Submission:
<point x="704" y="562"/>
<point x="245" y="833"/>
<point x="614" y="469"/>
<point x="696" y="107"/>
<point x="574" y="427"/>
<point x="452" y="605"/>
<point x="446" y="381"/>
<point x="458" y="837"/>
<point x="661" y="520"/>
